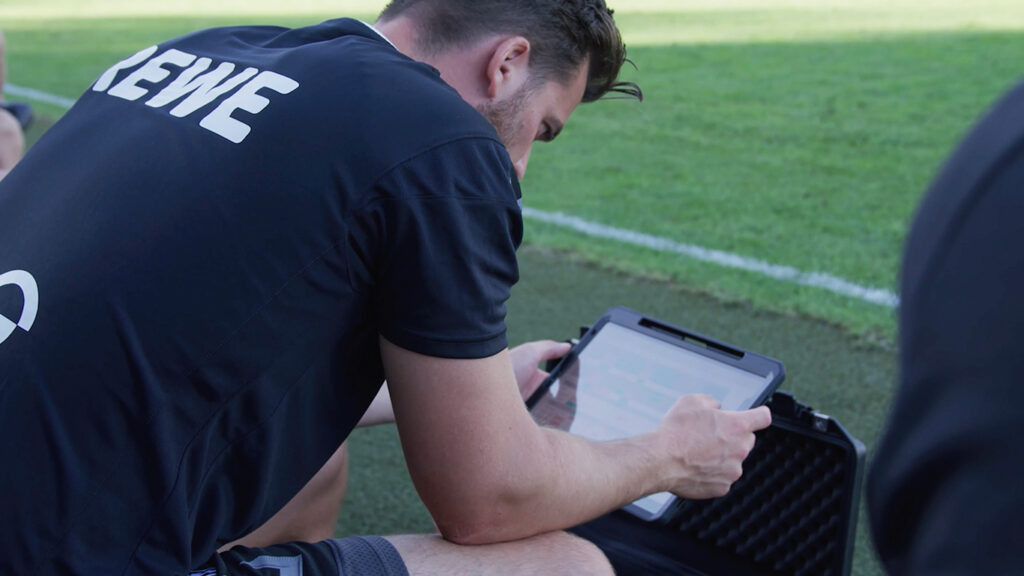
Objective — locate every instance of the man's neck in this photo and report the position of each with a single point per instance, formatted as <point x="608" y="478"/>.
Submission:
<point x="401" y="33"/>
<point x="462" y="69"/>
<point x="377" y="32"/>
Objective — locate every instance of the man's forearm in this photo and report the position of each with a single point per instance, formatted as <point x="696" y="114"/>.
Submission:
<point x="564" y="480"/>
<point x="488" y="473"/>
<point x="555" y="480"/>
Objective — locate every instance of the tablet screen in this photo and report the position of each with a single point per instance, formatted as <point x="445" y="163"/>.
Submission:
<point x="623" y="382"/>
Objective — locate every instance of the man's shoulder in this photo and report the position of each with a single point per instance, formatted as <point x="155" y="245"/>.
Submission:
<point x="323" y="100"/>
<point x="354" y="86"/>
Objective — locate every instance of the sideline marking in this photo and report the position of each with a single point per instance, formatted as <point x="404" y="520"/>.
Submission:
<point x="789" y="274"/>
<point x="833" y="284"/>
<point x="39" y="96"/>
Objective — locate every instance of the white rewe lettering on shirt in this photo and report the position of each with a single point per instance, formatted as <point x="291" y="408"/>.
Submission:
<point x="196" y="87"/>
<point x="208" y="88"/>
<point x="30" y="293"/>
<point x="152" y="71"/>
<point x="183" y="84"/>
<point x="107" y="78"/>
<point x="220" y="120"/>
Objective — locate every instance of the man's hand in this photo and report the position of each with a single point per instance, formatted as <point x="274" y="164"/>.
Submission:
<point x="709" y="444"/>
<point x="526" y="359"/>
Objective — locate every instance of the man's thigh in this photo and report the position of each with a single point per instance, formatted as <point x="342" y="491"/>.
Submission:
<point x="552" y="554"/>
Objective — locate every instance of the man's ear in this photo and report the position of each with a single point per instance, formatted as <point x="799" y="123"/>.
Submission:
<point x="508" y="67"/>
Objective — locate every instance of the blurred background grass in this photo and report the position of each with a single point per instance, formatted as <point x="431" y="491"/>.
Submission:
<point x="797" y="132"/>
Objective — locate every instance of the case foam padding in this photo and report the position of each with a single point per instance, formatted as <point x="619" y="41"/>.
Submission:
<point x="790" y="512"/>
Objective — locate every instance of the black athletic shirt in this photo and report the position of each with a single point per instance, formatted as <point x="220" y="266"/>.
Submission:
<point x="946" y="489"/>
<point x="211" y="241"/>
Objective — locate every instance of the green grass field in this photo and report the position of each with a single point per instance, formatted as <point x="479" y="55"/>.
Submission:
<point x="796" y="132"/>
<point x="825" y="368"/>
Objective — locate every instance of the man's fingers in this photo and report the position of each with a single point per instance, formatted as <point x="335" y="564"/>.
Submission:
<point x="757" y="419"/>
<point x="549" y="349"/>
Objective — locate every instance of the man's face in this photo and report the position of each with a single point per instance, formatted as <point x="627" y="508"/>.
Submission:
<point x="534" y="113"/>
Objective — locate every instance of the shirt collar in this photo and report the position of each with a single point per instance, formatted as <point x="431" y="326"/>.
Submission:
<point x="377" y="32"/>
<point x="513" y="179"/>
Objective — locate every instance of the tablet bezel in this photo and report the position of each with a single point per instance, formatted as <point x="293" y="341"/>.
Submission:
<point x="717" y="350"/>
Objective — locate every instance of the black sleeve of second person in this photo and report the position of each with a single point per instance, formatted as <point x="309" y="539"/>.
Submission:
<point x="945" y="491"/>
<point x="437" y="248"/>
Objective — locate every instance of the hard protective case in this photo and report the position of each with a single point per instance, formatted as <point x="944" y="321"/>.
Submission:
<point x="769" y="371"/>
<point x="793" y="513"/>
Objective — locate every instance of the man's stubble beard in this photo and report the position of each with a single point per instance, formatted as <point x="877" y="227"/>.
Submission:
<point x="506" y="117"/>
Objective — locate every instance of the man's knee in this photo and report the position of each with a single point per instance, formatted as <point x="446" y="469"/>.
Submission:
<point x="311" y="515"/>
<point x="581" y="555"/>
<point x="335" y="471"/>
<point x="12" y="141"/>
<point x="552" y="554"/>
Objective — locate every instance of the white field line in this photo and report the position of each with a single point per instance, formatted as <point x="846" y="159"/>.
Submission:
<point x="38" y="96"/>
<point x="782" y="273"/>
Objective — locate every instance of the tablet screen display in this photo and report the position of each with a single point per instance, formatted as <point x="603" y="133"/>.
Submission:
<point x="623" y="382"/>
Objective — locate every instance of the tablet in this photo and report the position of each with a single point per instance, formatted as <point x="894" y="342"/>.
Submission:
<point x="629" y="369"/>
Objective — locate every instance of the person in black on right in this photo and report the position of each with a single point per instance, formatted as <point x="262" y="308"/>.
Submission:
<point x="945" y="492"/>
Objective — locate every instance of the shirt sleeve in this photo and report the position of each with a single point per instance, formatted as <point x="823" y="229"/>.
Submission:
<point x="436" y="246"/>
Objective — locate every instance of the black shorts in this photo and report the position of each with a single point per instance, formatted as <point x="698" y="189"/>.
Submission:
<point x="353" y="556"/>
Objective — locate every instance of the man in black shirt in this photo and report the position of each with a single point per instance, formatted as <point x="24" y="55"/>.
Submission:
<point x="945" y="491"/>
<point x="212" y="262"/>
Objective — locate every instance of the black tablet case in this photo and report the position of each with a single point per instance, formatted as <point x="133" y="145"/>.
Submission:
<point x="793" y="513"/>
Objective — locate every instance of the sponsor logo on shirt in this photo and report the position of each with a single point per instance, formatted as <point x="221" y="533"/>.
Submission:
<point x="195" y="86"/>
<point x="30" y="292"/>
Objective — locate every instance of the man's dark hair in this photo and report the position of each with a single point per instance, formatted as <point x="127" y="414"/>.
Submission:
<point x="562" y="33"/>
